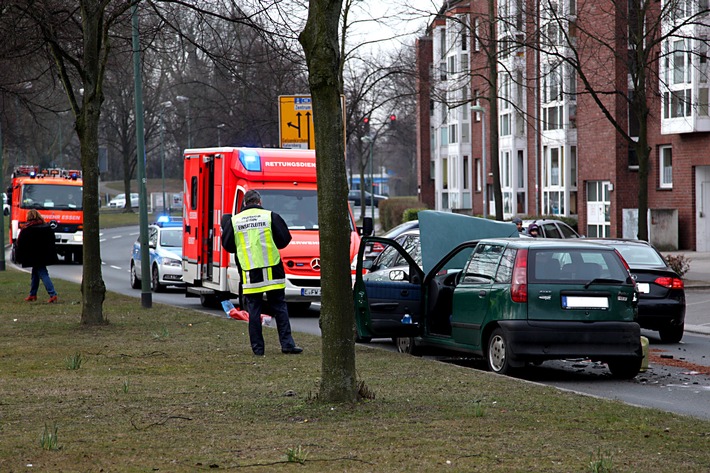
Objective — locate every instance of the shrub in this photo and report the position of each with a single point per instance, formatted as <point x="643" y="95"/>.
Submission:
<point x="392" y="210"/>
<point x="679" y="263"/>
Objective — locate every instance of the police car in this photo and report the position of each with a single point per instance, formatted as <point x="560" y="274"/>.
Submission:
<point x="165" y="249"/>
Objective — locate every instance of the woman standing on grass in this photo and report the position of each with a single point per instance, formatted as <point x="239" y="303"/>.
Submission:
<point x="36" y="249"/>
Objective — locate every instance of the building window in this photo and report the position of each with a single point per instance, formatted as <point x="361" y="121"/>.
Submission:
<point x="465" y="173"/>
<point x="453" y="133"/>
<point x="665" y="160"/>
<point x="476" y="37"/>
<point x="478" y="174"/>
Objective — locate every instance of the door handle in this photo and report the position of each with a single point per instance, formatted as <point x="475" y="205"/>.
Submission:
<point x="482" y="293"/>
<point x="404" y="293"/>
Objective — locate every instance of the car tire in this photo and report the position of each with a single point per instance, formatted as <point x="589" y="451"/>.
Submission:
<point x="672" y="333"/>
<point x="155" y="281"/>
<point x="210" y="301"/>
<point x="624" y="368"/>
<point x="497" y="353"/>
<point x="407" y="345"/>
<point x="359" y="339"/>
<point x="135" y="280"/>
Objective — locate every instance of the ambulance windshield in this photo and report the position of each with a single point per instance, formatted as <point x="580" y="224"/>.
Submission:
<point x="51" y="196"/>
<point x="299" y="208"/>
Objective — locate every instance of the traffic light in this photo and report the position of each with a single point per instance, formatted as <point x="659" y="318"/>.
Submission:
<point x="366" y="125"/>
<point x="392" y="120"/>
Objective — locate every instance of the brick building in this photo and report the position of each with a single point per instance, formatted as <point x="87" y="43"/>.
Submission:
<point x="558" y="152"/>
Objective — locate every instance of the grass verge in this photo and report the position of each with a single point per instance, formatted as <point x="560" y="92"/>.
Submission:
<point x="174" y="390"/>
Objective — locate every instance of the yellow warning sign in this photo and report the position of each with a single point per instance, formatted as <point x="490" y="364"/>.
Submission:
<point x="296" y="122"/>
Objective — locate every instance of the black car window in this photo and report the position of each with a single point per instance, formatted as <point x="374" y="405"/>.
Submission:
<point x="578" y="265"/>
<point x="483" y="264"/>
<point x="567" y="231"/>
<point x="505" y="268"/>
<point x="550" y="231"/>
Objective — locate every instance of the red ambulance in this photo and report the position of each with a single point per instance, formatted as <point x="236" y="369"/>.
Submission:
<point x="216" y="180"/>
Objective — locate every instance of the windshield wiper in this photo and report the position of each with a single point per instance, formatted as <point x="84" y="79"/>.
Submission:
<point x="601" y="280"/>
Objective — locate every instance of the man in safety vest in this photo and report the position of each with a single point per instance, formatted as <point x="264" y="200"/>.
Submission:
<point x="255" y="236"/>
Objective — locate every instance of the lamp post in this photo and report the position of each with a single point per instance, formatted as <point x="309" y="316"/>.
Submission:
<point x="371" y="140"/>
<point x="219" y="134"/>
<point x="183" y="99"/>
<point x="2" y="214"/>
<point x="482" y="111"/>
<point x="162" y="158"/>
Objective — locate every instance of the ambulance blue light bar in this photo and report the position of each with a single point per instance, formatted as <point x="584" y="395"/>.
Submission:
<point x="250" y="159"/>
<point x="166" y="221"/>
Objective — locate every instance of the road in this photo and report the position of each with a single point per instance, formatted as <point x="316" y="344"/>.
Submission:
<point x="679" y="389"/>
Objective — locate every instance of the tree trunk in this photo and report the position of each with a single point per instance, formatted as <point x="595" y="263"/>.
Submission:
<point x="320" y="44"/>
<point x="93" y="289"/>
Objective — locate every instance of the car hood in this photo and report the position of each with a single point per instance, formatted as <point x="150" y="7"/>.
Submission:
<point x="441" y="232"/>
<point x="171" y="253"/>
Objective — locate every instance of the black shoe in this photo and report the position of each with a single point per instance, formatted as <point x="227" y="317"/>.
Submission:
<point x="292" y="351"/>
<point x="258" y="353"/>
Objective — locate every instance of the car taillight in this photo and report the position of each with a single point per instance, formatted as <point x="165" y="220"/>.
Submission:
<point x="519" y="284"/>
<point x="377" y="247"/>
<point x="669" y="282"/>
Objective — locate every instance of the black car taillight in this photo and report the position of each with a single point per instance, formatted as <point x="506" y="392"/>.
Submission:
<point x="519" y="283"/>
<point x="669" y="282"/>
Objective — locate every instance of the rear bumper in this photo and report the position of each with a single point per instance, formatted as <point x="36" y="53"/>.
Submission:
<point x="655" y="314"/>
<point x="300" y="289"/>
<point x="543" y="340"/>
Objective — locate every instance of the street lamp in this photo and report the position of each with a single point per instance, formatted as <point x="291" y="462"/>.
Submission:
<point x="482" y="111"/>
<point x="219" y="134"/>
<point x="183" y="99"/>
<point x="371" y="140"/>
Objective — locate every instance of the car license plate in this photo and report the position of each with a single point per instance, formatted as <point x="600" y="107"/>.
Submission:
<point x="310" y="291"/>
<point x="581" y="302"/>
<point x="643" y="287"/>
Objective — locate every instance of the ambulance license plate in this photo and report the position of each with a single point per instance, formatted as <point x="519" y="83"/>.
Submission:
<point x="310" y="291"/>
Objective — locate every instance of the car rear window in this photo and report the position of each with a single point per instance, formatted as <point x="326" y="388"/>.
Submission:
<point x="574" y="265"/>
<point x="641" y="256"/>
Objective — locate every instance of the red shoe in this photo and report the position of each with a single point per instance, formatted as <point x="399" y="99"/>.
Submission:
<point x="31" y="298"/>
<point x="52" y="300"/>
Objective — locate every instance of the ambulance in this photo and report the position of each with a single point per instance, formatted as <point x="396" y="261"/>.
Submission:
<point x="57" y="195"/>
<point x="215" y="181"/>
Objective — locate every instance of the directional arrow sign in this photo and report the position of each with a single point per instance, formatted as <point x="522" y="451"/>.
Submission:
<point x="296" y="122"/>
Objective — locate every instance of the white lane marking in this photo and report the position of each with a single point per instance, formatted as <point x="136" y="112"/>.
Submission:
<point x="116" y="267"/>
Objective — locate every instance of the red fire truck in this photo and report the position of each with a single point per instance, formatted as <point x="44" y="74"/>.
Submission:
<point x="57" y="195"/>
<point x="216" y="180"/>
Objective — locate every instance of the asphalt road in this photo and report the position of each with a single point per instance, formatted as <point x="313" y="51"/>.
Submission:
<point x="678" y="389"/>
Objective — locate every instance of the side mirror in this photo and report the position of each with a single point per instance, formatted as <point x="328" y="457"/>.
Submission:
<point x="367" y="226"/>
<point x="397" y="275"/>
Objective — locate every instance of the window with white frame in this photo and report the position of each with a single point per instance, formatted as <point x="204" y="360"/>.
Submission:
<point x="463" y="21"/>
<point x="453" y="133"/>
<point x="478" y="175"/>
<point x="665" y="160"/>
<point x="505" y="111"/>
<point x="552" y="92"/>
<point x="476" y="37"/>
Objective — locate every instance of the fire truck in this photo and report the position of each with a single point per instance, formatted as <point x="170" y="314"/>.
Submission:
<point x="216" y="180"/>
<point x="57" y="195"/>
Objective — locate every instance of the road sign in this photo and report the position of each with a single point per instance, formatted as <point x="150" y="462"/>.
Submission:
<point x="296" y="122"/>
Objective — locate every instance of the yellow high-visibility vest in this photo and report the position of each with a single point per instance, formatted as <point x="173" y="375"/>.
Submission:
<point x="256" y="250"/>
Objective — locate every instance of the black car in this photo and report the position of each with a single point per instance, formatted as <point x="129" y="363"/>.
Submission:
<point x="354" y="197"/>
<point x="661" y="291"/>
<point x="373" y="250"/>
<point x="549" y="228"/>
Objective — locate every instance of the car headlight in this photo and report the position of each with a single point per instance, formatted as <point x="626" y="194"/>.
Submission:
<point x="79" y="236"/>
<point x="172" y="262"/>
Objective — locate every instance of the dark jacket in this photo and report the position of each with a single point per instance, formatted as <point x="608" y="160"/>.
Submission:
<point x="36" y="246"/>
<point x="279" y="232"/>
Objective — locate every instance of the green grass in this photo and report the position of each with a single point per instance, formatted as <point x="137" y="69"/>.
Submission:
<point x="166" y="389"/>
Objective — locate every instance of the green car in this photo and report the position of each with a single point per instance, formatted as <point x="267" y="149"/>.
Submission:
<point x="511" y="301"/>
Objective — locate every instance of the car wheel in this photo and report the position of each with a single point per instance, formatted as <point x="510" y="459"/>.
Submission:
<point x="497" y="355"/>
<point x="135" y="281"/>
<point x="406" y="345"/>
<point x="79" y="256"/>
<point x="624" y="368"/>
<point x="155" y="281"/>
<point x="210" y="301"/>
<point x="671" y="334"/>
<point x="297" y="307"/>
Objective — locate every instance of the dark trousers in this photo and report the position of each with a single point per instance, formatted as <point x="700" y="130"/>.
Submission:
<point x="279" y="312"/>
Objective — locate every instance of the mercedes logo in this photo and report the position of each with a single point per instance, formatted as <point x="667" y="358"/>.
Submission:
<point x="53" y="224"/>
<point x="315" y="264"/>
